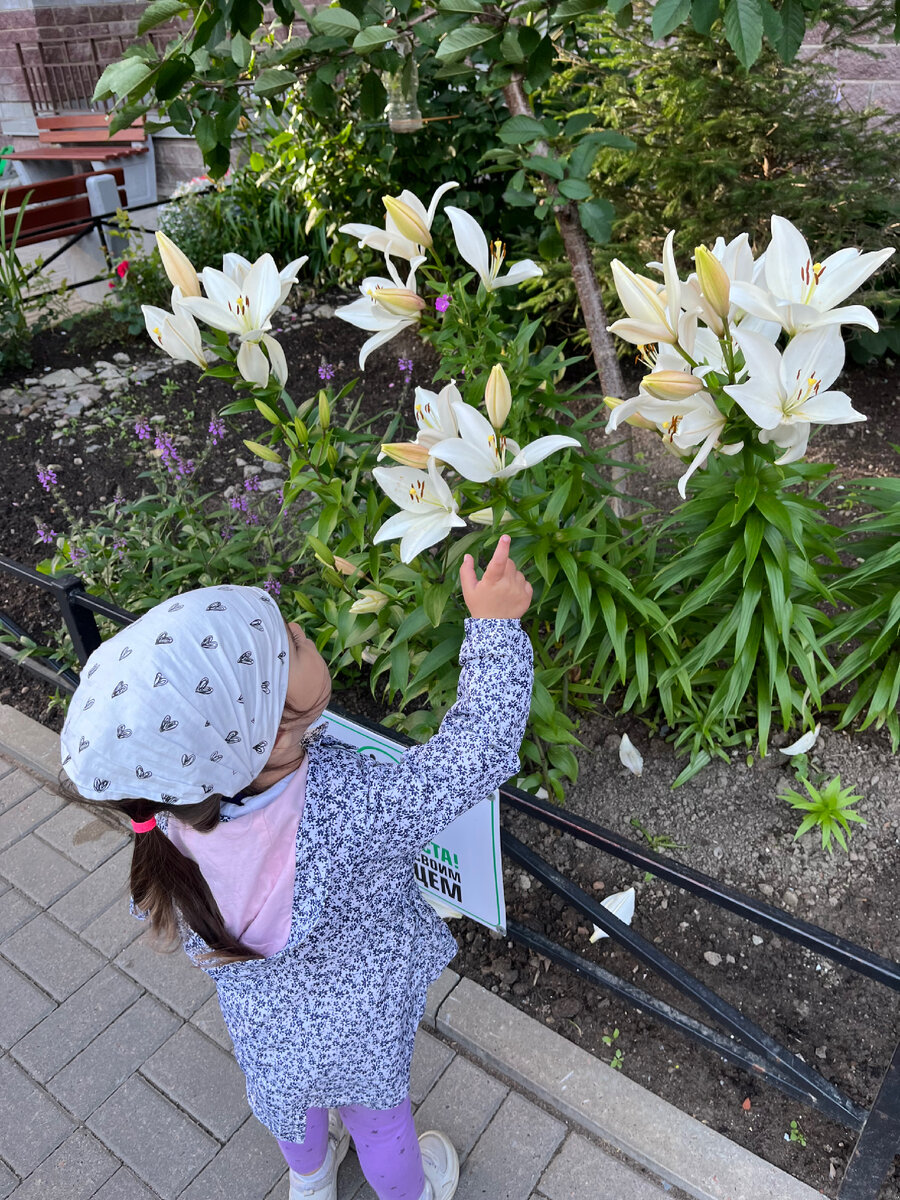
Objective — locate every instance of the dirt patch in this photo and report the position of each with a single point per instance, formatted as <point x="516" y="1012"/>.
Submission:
<point x="728" y="821"/>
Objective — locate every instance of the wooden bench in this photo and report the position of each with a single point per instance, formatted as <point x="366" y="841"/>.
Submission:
<point x="62" y="208"/>
<point x="85" y="138"/>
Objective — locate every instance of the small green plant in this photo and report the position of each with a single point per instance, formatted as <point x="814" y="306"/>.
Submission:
<point x="618" y="1057"/>
<point x="170" y="387"/>
<point x="830" y="807"/>
<point x="796" y="1134"/>
<point x="21" y="314"/>
<point x="656" y="842"/>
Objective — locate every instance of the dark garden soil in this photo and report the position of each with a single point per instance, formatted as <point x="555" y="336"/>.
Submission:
<point x="727" y="821"/>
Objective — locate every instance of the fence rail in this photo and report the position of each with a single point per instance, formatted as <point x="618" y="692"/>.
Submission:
<point x="743" y="1042"/>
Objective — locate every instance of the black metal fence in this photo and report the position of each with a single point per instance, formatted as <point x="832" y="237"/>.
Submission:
<point x="738" y="1039"/>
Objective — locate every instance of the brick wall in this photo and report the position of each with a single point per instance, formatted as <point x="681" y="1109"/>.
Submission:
<point x="865" y="82"/>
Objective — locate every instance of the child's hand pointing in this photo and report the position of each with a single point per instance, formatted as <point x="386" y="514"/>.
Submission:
<point x="502" y="591"/>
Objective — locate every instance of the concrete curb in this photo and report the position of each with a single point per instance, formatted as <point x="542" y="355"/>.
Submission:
<point x="603" y="1102"/>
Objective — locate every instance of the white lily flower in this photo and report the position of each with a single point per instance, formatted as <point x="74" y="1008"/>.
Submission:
<point x="801" y="293"/>
<point x="429" y="510"/>
<point x="630" y="756"/>
<point x="473" y="248"/>
<point x="654" y="312"/>
<point x="369" y="313"/>
<point x="390" y="240"/>
<point x="485" y="516"/>
<point x="621" y="905"/>
<point x="370" y="601"/>
<point x="497" y="396"/>
<point x="786" y="394"/>
<point x="175" y="332"/>
<point x="479" y="453"/>
<point x="434" y="414"/>
<point x="802" y="744"/>
<point x="237" y="267"/>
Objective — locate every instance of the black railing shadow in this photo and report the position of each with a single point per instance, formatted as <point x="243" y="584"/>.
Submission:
<point x="743" y="1042"/>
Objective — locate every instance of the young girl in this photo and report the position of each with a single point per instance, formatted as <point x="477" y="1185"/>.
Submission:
<point x="285" y="861"/>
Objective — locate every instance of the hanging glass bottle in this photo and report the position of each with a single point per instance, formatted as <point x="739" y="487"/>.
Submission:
<point x="402" y="85"/>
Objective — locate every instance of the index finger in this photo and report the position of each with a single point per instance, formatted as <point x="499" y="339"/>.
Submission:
<point x="499" y="558"/>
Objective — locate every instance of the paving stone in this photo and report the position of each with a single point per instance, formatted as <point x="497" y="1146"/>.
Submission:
<point x="461" y="1104"/>
<point x="100" y="1068"/>
<point x="75" y="1024"/>
<point x="26" y="742"/>
<point x="170" y="976"/>
<point x="203" y="1079"/>
<point x="163" y="1147"/>
<point x="23" y="1007"/>
<point x="24" y="816"/>
<point x="582" y="1171"/>
<point x="437" y="994"/>
<point x="248" y="1166"/>
<point x="113" y="929"/>
<point x="209" y="1019"/>
<point x="511" y="1153"/>
<point x="15" y="910"/>
<point x="100" y="889"/>
<point x="31" y="1125"/>
<point x="37" y="869"/>
<point x="351" y="1180"/>
<point x="15" y="786"/>
<point x="124" y="1185"/>
<point x="280" y="1190"/>
<point x="8" y="1181"/>
<point x="73" y="1172"/>
<point x="51" y="956"/>
<point x="85" y="837"/>
<point x="430" y="1059"/>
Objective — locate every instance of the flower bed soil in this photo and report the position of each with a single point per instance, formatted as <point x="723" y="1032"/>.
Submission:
<point x="727" y="822"/>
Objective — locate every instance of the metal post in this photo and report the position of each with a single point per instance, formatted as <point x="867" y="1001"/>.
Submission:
<point x="80" y="622"/>
<point x="879" y="1141"/>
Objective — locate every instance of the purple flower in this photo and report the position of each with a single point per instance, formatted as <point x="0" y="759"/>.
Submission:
<point x="216" y="429"/>
<point x="405" y="364"/>
<point x="118" y="499"/>
<point x="442" y="303"/>
<point x="326" y="371"/>
<point x="239" y="503"/>
<point x="226" y="533"/>
<point x="47" y="535"/>
<point x="45" y="478"/>
<point x="142" y="428"/>
<point x="118" y="546"/>
<point x="77" y="554"/>
<point x="170" y="458"/>
<point x="251" y="483"/>
<point x="273" y="587"/>
<point x="251" y="519"/>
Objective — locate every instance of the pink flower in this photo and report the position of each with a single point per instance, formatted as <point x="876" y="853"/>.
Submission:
<point x="122" y="268"/>
<point x="442" y="303"/>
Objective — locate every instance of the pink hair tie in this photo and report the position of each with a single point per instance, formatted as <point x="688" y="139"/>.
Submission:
<point x="144" y="826"/>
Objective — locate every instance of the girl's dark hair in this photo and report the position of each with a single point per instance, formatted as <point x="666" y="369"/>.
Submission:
<point x="166" y="883"/>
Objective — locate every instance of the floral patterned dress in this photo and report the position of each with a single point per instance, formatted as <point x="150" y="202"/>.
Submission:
<point x="330" y="1019"/>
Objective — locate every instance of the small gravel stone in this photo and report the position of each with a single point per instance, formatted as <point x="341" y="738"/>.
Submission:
<point x="712" y="958"/>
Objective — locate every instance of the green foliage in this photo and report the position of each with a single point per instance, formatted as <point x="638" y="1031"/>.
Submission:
<point x="796" y="1134"/>
<point x="719" y="148"/>
<point x="828" y="807"/>
<point x="24" y="312"/>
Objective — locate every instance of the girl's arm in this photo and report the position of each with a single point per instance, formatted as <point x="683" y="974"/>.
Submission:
<point x="476" y="748"/>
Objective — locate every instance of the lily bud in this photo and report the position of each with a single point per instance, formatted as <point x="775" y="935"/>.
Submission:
<point x="485" y="516"/>
<point x="671" y="385"/>
<point x="324" y="410"/>
<point x="370" y="601"/>
<point x="178" y="266"/>
<point x="714" y="281"/>
<point x="637" y="421"/>
<point x="398" y="301"/>
<point x="344" y="566"/>
<point x="497" y="397"/>
<point x="410" y="454"/>
<point x="407" y="220"/>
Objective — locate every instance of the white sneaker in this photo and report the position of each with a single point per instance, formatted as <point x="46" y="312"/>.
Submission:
<point x="441" y="1166"/>
<point x="322" y="1184"/>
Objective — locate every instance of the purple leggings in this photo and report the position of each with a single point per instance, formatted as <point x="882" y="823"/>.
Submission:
<point x="386" y="1145"/>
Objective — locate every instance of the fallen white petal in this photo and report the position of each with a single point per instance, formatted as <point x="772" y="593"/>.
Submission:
<point x="621" y="905"/>
<point x="629" y="756"/>
<point x="803" y="744"/>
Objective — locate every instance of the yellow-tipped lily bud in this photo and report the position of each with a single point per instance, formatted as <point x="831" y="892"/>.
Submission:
<point x="410" y="454"/>
<point x="637" y="421"/>
<point x="671" y="385"/>
<point x="714" y="282"/>
<point x="178" y="266"/>
<point x="399" y="301"/>
<point x="324" y="409"/>
<point x="407" y="220"/>
<point x="497" y="397"/>
<point x="344" y="566"/>
<point x="370" y="601"/>
<point x="485" y="516"/>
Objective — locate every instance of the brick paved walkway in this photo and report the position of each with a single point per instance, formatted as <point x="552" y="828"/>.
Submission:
<point x="116" y="1080"/>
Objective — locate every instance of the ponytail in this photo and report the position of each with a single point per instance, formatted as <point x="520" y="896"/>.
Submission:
<point x="166" y="884"/>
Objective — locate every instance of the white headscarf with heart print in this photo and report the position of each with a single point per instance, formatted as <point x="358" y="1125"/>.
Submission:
<point x="184" y="703"/>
